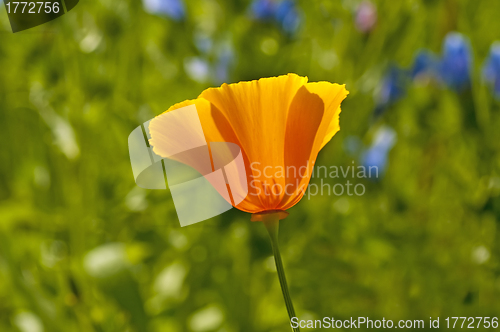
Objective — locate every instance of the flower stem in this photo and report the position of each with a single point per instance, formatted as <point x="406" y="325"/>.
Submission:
<point x="272" y="227"/>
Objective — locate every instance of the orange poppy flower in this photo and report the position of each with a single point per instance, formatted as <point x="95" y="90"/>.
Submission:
<point x="280" y="124"/>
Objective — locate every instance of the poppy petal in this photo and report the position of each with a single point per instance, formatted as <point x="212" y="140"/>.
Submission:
<point x="332" y="95"/>
<point x="215" y="128"/>
<point x="258" y="111"/>
<point x="319" y="130"/>
<point x="304" y="119"/>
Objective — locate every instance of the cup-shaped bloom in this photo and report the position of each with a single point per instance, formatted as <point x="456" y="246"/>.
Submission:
<point x="279" y="123"/>
<point x="491" y="69"/>
<point x="456" y="62"/>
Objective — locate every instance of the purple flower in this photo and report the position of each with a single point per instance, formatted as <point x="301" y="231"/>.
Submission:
<point x="366" y="16"/>
<point x="491" y="69"/>
<point x="456" y="62"/>
<point x="172" y="8"/>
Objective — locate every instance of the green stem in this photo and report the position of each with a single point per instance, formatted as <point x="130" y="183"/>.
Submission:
<point x="273" y="227"/>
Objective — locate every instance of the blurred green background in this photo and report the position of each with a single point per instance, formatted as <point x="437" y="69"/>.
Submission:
<point x="82" y="248"/>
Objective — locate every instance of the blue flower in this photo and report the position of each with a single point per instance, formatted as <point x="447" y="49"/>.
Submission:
<point x="284" y="13"/>
<point x="224" y="61"/>
<point x="352" y="145"/>
<point x="377" y="154"/>
<point x="453" y="69"/>
<point x="491" y="69"/>
<point x="197" y="68"/>
<point x="393" y="88"/>
<point x="425" y="64"/>
<point x="456" y="63"/>
<point x="263" y="9"/>
<point x="203" y="42"/>
<point x="172" y="8"/>
<point x="287" y="16"/>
